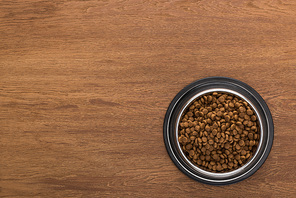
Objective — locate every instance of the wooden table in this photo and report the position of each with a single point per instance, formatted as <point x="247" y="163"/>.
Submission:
<point x="85" y="85"/>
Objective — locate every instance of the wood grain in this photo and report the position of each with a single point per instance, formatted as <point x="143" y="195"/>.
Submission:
<point x="84" y="87"/>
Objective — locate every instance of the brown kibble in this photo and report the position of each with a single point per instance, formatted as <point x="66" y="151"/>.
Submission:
<point x="195" y="157"/>
<point x="224" y="166"/>
<point x="227" y="146"/>
<point x="219" y="135"/>
<point x="190" y="114"/>
<point x="232" y="127"/>
<point x="231" y="105"/>
<point x="219" y="113"/>
<point x="207" y="128"/>
<point x="192" y="138"/>
<point x="197" y="128"/>
<point x="203" y="149"/>
<point x="237" y="104"/>
<point x="255" y="136"/>
<point x="219" y="132"/>
<point x="242" y="109"/>
<point x="249" y="112"/>
<point x="205" y="111"/>
<point x="202" y="157"/>
<point x="230" y="164"/>
<point x="189" y="146"/>
<point x="202" y="125"/>
<point x="215" y="145"/>
<point x="221" y="99"/>
<point x="254" y="128"/>
<point x="184" y="140"/>
<point x="219" y="167"/>
<point x="213" y="117"/>
<point x="209" y="121"/>
<point x="241" y="143"/>
<point x="250" y="135"/>
<point x="215" y="156"/>
<point x="191" y="152"/>
<point x="204" y="139"/>
<point x="210" y="98"/>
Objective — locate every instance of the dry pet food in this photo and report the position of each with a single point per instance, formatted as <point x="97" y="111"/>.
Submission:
<point x="219" y="132"/>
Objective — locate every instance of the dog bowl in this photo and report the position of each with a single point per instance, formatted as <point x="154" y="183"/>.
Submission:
<point x="208" y="85"/>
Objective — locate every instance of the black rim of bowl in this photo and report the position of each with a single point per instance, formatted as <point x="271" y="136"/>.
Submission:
<point x="169" y="129"/>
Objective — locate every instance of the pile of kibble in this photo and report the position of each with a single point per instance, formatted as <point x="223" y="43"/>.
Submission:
<point x="219" y="132"/>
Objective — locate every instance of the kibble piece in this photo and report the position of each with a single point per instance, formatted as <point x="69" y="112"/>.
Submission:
<point x="219" y="113"/>
<point x="211" y="141"/>
<point x="231" y="105"/>
<point x="189" y="146"/>
<point x="224" y="166"/>
<point x="252" y="143"/>
<point x="251" y="136"/>
<point x="242" y="109"/>
<point x="219" y="167"/>
<point x="243" y="152"/>
<point x="255" y="136"/>
<point x="191" y="152"/>
<point x="249" y="112"/>
<point x="202" y="125"/>
<point x="214" y="132"/>
<point x="221" y="99"/>
<point x="204" y="139"/>
<point x="203" y="149"/>
<point x="241" y="143"/>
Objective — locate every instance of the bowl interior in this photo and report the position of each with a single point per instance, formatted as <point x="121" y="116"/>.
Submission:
<point x="202" y="171"/>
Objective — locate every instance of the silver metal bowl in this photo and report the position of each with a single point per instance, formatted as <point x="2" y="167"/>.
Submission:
<point x="199" y="88"/>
